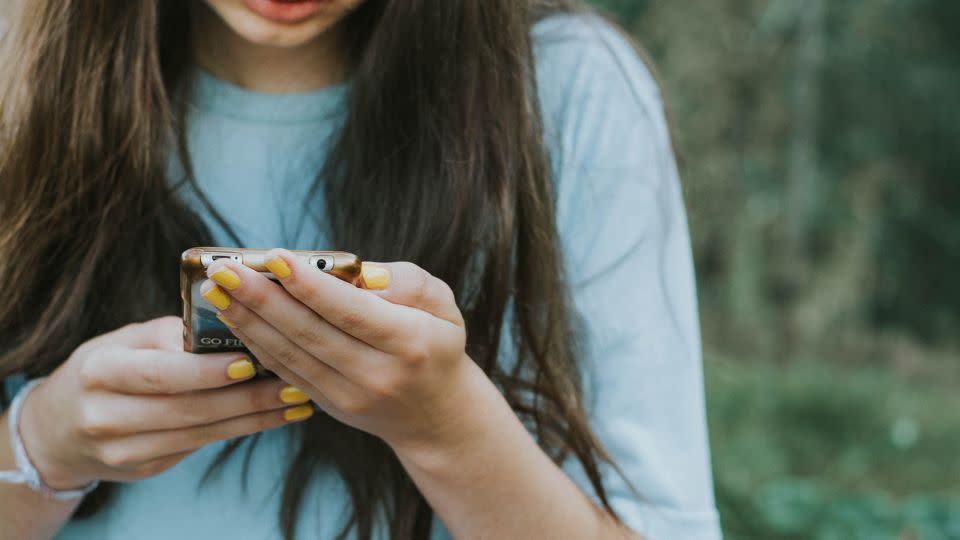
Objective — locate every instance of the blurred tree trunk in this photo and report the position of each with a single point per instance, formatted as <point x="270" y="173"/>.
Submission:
<point x="803" y="159"/>
<point x="803" y="165"/>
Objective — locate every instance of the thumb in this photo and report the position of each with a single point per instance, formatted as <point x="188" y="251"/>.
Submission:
<point x="407" y="284"/>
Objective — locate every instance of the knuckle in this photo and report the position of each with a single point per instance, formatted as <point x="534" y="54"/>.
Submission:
<point x="268" y="361"/>
<point x="421" y="286"/>
<point x="90" y="374"/>
<point x="256" y="297"/>
<point x="352" y="318"/>
<point x="295" y="285"/>
<point x="383" y="387"/>
<point x="381" y="333"/>
<point x="263" y="422"/>
<point x="151" y="376"/>
<point x="309" y="335"/>
<point x="416" y="351"/>
<point x="410" y="268"/>
<point x="262" y="398"/>
<point x="355" y="405"/>
<point x="203" y="434"/>
<point x="288" y="356"/>
<point x="189" y="410"/>
<point x="93" y="423"/>
<point x="117" y="456"/>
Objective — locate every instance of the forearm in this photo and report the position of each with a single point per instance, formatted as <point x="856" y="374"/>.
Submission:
<point x="500" y="484"/>
<point x="24" y="513"/>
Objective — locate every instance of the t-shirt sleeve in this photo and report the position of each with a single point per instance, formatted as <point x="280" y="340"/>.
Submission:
<point x="627" y="252"/>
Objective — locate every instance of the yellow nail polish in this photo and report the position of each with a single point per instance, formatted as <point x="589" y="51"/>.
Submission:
<point x="226" y="278"/>
<point x="298" y="413"/>
<point x="241" y="369"/>
<point x="225" y="320"/>
<point x="278" y="267"/>
<point x="375" y="277"/>
<point x="217" y="297"/>
<point x="292" y="394"/>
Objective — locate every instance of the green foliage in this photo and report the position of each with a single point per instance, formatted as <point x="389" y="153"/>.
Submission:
<point x="622" y="10"/>
<point x="808" y="451"/>
<point x="819" y="151"/>
<point x="819" y="163"/>
<point x="894" y="114"/>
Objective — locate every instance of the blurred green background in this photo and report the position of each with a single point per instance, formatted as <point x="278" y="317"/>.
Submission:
<point x="820" y="150"/>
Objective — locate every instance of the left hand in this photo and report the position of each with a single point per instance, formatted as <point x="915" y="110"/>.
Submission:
<point x="390" y="362"/>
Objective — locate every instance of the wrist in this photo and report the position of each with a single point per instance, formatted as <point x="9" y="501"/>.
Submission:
<point x="478" y="416"/>
<point x="53" y="470"/>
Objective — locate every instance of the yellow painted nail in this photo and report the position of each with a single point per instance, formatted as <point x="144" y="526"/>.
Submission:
<point x="374" y="277"/>
<point x="292" y="394"/>
<point x="217" y="297"/>
<point x="298" y="413"/>
<point x="223" y="318"/>
<point x="241" y="369"/>
<point x="278" y="267"/>
<point x="226" y="278"/>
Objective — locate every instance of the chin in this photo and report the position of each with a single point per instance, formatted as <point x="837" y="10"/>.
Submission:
<point x="260" y="30"/>
<point x="269" y="34"/>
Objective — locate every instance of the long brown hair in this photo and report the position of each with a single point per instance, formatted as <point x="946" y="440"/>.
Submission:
<point x="440" y="161"/>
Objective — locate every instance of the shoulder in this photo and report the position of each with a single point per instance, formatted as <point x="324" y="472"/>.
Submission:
<point x="584" y="61"/>
<point x="600" y="102"/>
<point x="607" y="136"/>
<point x="587" y="39"/>
<point x="604" y="122"/>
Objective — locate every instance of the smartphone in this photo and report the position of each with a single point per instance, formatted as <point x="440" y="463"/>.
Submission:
<point x="202" y="330"/>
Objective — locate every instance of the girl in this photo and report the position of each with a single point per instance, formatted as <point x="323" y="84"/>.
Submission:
<point x="532" y="372"/>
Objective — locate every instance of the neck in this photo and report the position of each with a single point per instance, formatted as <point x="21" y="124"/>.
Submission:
<point x="263" y="68"/>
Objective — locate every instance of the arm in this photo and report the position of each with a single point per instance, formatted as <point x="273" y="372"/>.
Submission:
<point x="128" y="405"/>
<point x="498" y="483"/>
<point x="620" y="207"/>
<point x="24" y="513"/>
<point x="391" y="362"/>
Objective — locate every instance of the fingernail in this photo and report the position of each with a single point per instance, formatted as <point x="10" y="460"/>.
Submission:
<point x="226" y="278"/>
<point x="217" y="297"/>
<point x="223" y="318"/>
<point x="278" y="267"/>
<point x="241" y="369"/>
<point x="298" y="413"/>
<point x="292" y="394"/>
<point x="374" y="277"/>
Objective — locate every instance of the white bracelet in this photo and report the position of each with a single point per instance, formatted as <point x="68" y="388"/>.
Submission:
<point x="26" y="473"/>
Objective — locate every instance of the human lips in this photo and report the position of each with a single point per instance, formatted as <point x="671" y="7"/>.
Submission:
<point x="286" y="11"/>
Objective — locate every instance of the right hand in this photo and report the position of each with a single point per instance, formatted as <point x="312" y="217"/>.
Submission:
<point x="131" y="403"/>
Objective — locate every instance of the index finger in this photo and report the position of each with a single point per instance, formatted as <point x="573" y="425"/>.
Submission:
<point x="164" y="333"/>
<point x="151" y="371"/>
<point x="355" y="311"/>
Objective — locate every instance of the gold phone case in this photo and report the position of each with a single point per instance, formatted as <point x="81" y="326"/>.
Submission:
<point x="202" y="331"/>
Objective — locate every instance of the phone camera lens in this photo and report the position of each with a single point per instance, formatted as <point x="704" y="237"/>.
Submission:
<point x="322" y="264"/>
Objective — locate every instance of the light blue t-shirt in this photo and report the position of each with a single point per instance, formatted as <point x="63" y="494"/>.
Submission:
<point x="619" y="206"/>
